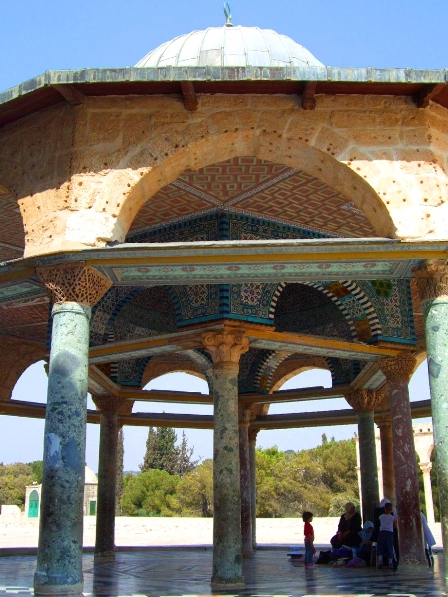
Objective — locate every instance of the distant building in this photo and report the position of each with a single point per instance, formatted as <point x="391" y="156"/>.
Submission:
<point x="33" y="492"/>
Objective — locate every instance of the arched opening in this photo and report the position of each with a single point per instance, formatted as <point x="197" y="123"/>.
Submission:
<point x="33" y="504"/>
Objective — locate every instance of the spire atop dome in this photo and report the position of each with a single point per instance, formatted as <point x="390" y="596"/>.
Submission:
<point x="228" y="14"/>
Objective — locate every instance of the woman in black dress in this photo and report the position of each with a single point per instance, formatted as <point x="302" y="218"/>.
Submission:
<point x="348" y="528"/>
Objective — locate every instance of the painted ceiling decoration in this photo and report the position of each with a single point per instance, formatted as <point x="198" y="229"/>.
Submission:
<point x="253" y="187"/>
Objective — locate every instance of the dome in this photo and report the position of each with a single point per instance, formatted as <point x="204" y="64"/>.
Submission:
<point x="90" y="476"/>
<point x="230" y="46"/>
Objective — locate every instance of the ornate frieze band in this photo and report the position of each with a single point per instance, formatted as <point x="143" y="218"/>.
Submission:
<point x="432" y="279"/>
<point x="74" y="282"/>
<point x="364" y="400"/>
<point x="398" y="368"/>
<point x="225" y="347"/>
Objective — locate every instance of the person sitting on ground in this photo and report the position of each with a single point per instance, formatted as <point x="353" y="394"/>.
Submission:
<point x="365" y="547"/>
<point x="348" y="528"/>
<point x="385" y="545"/>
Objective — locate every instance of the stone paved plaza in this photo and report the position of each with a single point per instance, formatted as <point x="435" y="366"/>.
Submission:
<point x="187" y="572"/>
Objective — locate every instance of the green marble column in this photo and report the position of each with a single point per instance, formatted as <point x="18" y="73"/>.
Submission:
<point x="246" y="505"/>
<point x="225" y="349"/>
<point x="432" y="280"/>
<point x="59" y="557"/>
<point x="364" y="403"/>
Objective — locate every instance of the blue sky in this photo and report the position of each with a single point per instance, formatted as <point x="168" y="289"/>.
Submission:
<point x="36" y="36"/>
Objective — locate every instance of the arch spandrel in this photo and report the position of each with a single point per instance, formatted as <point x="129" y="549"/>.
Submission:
<point x="59" y="213"/>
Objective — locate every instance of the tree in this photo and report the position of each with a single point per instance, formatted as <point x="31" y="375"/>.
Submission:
<point x="149" y="494"/>
<point x="120" y="470"/>
<point x="163" y="454"/>
<point x="13" y="480"/>
<point x="184" y="462"/>
<point x="36" y="469"/>
<point x="194" y="494"/>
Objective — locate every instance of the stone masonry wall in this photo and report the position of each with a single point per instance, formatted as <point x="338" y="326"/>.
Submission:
<point x="81" y="174"/>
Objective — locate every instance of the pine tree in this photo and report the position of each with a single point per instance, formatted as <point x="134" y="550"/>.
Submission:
<point x="184" y="462"/>
<point x="166" y="449"/>
<point x="120" y="470"/>
<point x="149" y="460"/>
<point x="163" y="454"/>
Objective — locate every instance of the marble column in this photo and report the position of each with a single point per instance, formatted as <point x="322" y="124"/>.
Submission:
<point x="364" y="403"/>
<point x="107" y="477"/>
<point x="246" y="504"/>
<point x="253" y="483"/>
<point x="398" y="372"/>
<point x="225" y="348"/>
<point x="73" y="289"/>
<point x="432" y="281"/>
<point x="387" y="457"/>
<point x="426" y="468"/>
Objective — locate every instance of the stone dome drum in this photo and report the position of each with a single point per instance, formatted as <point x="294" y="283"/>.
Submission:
<point x="230" y="46"/>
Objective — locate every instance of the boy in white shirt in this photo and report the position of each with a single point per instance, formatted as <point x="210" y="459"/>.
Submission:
<point x="385" y="545"/>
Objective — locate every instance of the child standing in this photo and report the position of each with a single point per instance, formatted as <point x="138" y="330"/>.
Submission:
<point x="308" y="532"/>
<point x="385" y="545"/>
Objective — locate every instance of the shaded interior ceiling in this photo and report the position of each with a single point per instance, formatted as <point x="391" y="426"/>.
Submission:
<point x="259" y="188"/>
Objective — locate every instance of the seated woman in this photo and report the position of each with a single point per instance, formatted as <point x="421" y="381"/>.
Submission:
<point x="365" y="547"/>
<point x="348" y="528"/>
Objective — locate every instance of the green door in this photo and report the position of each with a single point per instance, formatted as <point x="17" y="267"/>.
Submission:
<point x="92" y="510"/>
<point x="33" y="505"/>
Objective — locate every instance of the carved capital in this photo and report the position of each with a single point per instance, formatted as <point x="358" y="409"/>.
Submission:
<point x="398" y="368"/>
<point x="225" y="347"/>
<point x="253" y="433"/>
<point x="74" y="282"/>
<point x="109" y="403"/>
<point x="432" y="279"/>
<point x="363" y="400"/>
<point x="425" y="467"/>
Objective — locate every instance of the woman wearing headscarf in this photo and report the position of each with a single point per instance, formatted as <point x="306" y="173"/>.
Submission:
<point x="365" y="548"/>
<point x="348" y="528"/>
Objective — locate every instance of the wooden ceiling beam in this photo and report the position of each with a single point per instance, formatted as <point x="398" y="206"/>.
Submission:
<point x="308" y="99"/>
<point x="70" y="94"/>
<point x="190" y="98"/>
<point x="430" y="92"/>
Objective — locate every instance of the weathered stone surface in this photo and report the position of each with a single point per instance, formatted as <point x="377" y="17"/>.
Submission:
<point x="108" y="134"/>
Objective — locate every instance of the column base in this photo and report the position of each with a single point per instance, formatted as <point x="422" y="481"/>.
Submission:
<point x="234" y="583"/>
<point x="59" y="590"/>
<point x="105" y="556"/>
<point x="248" y="553"/>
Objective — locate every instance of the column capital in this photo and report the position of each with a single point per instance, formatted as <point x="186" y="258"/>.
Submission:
<point x="74" y="282"/>
<point x="425" y="467"/>
<point x="432" y="279"/>
<point x="399" y="368"/>
<point x="253" y="433"/>
<point x="364" y="400"/>
<point x="225" y="346"/>
<point x="109" y="403"/>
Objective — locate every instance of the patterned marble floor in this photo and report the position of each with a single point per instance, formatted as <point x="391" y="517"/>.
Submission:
<point x="186" y="573"/>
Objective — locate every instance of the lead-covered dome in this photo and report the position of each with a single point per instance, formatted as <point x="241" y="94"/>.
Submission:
<point x="230" y="46"/>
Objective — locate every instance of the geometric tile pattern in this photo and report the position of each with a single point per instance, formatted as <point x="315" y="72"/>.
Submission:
<point x="394" y="311"/>
<point x="250" y="363"/>
<point x="259" y="188"/>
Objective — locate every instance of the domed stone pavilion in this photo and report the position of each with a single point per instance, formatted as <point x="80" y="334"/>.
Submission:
<point x="232" y="208"/>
